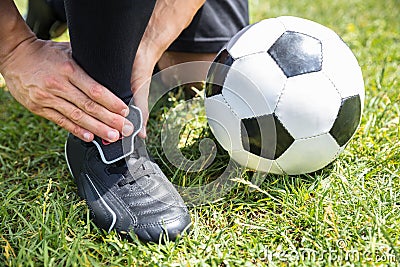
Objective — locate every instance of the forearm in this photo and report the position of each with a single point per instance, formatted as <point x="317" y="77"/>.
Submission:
<point x="13" y="30"/>
<point x="168" y="20"/>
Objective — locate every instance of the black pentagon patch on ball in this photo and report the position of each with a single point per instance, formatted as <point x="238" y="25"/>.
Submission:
<point x="347" y="120"/>
<point x="217" y="73"/>
<point x="265" y="136"/>
<point x="297" y="53"/>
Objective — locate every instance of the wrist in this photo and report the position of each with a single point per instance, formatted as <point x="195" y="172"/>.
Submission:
<point x="14" y="49"/>
<point x="13" y="31"/>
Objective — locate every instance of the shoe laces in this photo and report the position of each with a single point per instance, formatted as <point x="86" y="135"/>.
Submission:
<point x="137" y="166"/>
<point x="137" y="169"/>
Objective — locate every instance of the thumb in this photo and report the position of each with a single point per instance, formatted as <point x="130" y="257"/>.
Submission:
<point x="141" y="101"/>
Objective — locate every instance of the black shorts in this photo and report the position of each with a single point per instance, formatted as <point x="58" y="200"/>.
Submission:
<point x="213" y="25"/>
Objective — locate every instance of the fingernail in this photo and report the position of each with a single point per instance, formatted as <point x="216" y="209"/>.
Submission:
<point x="86" y="136"/>
<point x="125" y="112"/>
<point x="127" y="129"/>
<point x="112" y="135"/>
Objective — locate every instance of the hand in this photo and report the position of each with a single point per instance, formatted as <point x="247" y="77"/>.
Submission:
<point x="142" y="72"/>
<point x="168" y="20"/>
<point x="43" y="77"/>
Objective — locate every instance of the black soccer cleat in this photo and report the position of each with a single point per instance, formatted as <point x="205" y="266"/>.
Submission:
<point x="130" y="194"/>
<point x="46" y="18"/>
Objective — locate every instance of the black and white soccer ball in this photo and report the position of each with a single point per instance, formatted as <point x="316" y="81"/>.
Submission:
<point x="285" y="95"/>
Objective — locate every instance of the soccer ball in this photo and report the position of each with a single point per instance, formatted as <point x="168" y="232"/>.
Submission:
<point x="285" y="95"/>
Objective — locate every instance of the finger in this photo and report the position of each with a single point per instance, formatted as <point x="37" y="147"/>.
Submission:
<point x="67" y="124"/>
<point x="84" y="120"/>
<point x="116" y="121"/>
<point x="94" y="90"/>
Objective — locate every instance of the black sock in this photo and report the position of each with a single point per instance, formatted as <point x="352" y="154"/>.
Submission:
<point x="105" y="36"/>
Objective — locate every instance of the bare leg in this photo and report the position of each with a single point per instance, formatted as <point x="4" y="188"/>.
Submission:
<point x="171" y="58"/>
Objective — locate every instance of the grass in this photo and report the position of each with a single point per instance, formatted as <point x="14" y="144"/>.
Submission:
<point x="346" y="214"/>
